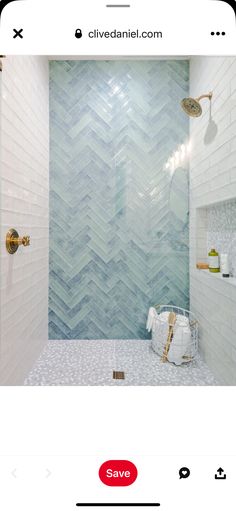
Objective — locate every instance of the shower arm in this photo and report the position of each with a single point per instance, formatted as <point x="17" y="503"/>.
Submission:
<point x="209" y="96"/>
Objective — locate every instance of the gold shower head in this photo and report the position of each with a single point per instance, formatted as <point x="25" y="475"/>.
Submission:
<point x="192" y="106"/>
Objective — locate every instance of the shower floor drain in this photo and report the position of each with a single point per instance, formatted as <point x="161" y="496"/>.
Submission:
<point x="118" y="375"/>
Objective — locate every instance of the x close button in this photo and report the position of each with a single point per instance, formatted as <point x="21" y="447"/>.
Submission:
<point x="17" y="33"/>
<point x="118" y="473"/>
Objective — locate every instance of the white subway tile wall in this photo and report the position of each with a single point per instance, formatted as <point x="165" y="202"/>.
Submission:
<point x="212" y="180"/>
<point x="25" y="207"/>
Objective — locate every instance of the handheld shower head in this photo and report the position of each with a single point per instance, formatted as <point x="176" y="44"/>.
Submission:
<point x="192" y="106"/>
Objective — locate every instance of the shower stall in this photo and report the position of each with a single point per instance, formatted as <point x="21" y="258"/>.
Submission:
<point x="95" y="202"/>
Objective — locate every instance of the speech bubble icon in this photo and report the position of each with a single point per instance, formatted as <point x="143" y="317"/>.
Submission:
<point x="184" y="473"/>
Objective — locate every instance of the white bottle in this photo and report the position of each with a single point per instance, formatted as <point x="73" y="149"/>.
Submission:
<point x="224" y="265"/>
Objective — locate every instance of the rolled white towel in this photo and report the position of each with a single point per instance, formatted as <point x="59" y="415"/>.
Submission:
<point x="180" y="343"/>
<point x="152" y="313"/>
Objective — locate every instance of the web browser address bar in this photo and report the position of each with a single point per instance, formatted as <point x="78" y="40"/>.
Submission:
<point x="102" y="28"/>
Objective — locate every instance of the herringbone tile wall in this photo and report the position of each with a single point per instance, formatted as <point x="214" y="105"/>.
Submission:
<point x="118" y="221"/>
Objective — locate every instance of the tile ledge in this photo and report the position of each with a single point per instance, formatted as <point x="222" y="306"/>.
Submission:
<point x="230" y="280"/>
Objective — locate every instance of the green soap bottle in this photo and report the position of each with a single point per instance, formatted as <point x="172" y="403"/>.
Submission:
<point x="213" y="260"/>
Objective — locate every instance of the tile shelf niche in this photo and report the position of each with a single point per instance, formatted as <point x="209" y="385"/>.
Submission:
<point x="231" y="280"/>
<point x="216" y="228"/>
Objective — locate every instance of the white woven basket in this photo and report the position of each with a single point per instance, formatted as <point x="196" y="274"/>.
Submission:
<point x="184" y="345"/>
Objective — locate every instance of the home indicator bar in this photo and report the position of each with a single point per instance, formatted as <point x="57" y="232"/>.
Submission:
<point x="128" y="504"/>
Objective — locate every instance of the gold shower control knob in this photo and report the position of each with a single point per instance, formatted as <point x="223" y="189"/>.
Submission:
<point x="26" y="241"/>
<point x="13" y="241"/>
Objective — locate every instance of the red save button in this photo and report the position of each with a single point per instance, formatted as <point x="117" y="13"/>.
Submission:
<point x="118" y="473"/>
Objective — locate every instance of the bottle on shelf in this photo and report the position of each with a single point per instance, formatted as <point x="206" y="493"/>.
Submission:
<point x="213" y="261"/>
<point x="224" y="265"/>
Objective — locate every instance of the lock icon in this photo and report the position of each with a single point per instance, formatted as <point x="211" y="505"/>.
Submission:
<point x="78" y="33"/>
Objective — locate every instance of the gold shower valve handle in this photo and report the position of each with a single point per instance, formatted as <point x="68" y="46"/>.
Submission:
<point x="25" y="241"/>
<point x="13" y="241"/>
